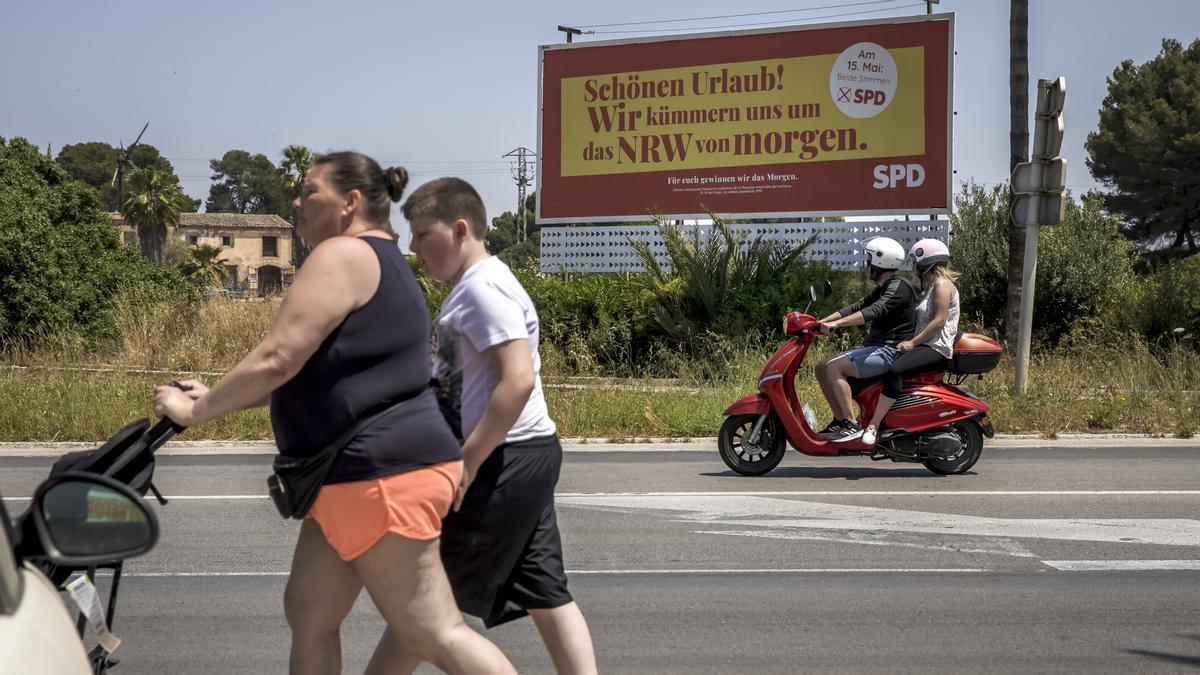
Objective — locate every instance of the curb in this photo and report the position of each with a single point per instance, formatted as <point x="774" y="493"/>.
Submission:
<point x="613" y="444"/>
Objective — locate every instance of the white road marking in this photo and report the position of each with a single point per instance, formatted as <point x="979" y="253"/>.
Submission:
<point x="798" y="570"/>
<point x="761" y="513"/>
<point x="802" y="493"/>
<point x="150" y="497"/>
<point x="205" y="574"/>
<point x="884" y="493"/>
<point x="1121" y="565"/>
<point x="1060" y="565"/>
<point x="998" y="546"/>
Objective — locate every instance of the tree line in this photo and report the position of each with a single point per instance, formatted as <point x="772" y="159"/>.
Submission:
<point x="153" y="201"/>
<point x="1144" y="151"/>
<point x="241" y="182"/>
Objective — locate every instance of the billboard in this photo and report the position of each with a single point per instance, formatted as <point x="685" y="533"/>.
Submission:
<point x="837" y="119"/>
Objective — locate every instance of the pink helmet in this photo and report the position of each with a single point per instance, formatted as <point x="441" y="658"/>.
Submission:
<point x="927" y="253"/>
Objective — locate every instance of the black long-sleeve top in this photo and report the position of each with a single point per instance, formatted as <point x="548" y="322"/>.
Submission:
<point x="890" y="308"/>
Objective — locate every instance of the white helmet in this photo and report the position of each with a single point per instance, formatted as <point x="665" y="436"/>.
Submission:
<point x="927" y="253"/>
<point x="885" y="253"/>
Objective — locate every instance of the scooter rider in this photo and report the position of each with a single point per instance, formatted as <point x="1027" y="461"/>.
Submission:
<point x="937" y="324"/>
<point x="890" y="308"/>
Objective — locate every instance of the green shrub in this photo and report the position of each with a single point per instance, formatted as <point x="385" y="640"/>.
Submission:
<point x="979" y="251"/>
<point x="1085" y="272"/>
<point x="726" y="284"/>
<point x="61" y="262"/>
<point x="590" y="318"/>
<point x="435" y="291"/>
<point x="1171" y="300"/>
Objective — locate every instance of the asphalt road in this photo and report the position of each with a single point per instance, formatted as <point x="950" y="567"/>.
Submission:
<point x="1042" y="559"/>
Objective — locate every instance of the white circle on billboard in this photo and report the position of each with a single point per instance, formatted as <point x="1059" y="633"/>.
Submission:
<point x="863" y="80"/>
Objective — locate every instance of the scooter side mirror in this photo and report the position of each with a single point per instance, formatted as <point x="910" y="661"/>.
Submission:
<point x="812" y="293"/>
<point x="826" y="288"/>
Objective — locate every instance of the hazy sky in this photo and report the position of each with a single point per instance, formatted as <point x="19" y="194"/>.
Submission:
<point x="447" y="88"/>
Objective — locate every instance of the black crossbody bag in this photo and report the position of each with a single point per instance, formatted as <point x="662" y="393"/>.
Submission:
<point x="296" y="480"/>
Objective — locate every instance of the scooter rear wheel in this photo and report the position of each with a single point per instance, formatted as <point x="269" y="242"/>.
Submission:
<point x="746" y="458"/>
<point x="965" y="458"/>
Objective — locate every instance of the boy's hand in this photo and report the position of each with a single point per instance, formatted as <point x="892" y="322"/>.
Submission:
<point x="464" y="484"/>
<point x="904" y="346"/>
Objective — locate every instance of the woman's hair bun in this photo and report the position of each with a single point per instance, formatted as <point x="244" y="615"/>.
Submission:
<point x="396" y="179"/>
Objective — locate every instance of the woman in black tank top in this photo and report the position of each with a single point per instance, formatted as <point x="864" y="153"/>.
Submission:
<point x="351" y="340"/>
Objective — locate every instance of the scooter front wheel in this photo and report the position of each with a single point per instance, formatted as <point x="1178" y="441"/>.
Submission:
<point x="751" y="459"/>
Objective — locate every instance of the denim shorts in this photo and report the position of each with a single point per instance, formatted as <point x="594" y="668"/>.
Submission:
<point x="871" y="361"/>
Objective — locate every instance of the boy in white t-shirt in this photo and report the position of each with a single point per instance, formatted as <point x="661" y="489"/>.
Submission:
<point x="501" y="546"/>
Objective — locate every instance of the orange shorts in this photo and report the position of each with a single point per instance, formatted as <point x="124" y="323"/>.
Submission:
<point x="354" y="516"/>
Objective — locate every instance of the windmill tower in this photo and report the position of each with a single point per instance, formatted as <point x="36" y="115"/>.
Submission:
<point x="122" y="162"/>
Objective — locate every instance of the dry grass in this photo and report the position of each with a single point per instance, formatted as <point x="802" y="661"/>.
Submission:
<point x="1113" y="386"/>
<point x="212" y="335"/>
<point x="209" y="336"/>
<point x="1118" y="386"/>
<point x="57" y="405"/>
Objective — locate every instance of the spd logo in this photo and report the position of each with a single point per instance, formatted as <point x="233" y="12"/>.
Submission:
<point x="896" y="175"/>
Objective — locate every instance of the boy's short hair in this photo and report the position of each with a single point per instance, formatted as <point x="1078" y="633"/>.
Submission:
<point x="447" y="200"/>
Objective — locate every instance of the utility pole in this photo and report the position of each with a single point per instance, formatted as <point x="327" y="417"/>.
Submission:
<point x="521" y="175"/>
<point x="1018" y="144"/>
<point x="571" y="31"/>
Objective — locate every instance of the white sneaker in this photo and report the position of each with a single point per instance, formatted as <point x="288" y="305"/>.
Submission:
<point x="869" y="435"/>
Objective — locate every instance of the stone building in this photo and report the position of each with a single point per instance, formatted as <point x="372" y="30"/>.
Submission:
<point x="256" y="248"/>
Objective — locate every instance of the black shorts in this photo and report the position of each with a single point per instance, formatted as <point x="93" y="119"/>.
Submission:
<point x="502" y="549"/>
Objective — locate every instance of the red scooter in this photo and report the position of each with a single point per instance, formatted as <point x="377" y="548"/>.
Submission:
<point x="934" y="422"/>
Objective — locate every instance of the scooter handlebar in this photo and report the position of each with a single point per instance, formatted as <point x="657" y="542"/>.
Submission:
<point x="799" y="324"/>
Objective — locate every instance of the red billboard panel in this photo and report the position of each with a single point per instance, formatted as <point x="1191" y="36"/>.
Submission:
<point x="840" y="119"/>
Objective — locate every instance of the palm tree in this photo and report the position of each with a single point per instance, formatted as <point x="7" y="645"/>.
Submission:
<point x="297" y="161"/>
<point x="205" y="267"/>
<point x="154" y="203"/>
<point x="707" y="277"/>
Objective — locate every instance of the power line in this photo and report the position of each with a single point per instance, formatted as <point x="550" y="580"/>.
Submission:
<point x="736" y="16"/>
<point x="499" y="165"/>
<point x="458" y="173"/>
<point x="990" y="183"/>
<point x="442" y="161"/>
<point x="385" y="161"/>
<point x="765" y="23"/>
<point x="423" y="172"/>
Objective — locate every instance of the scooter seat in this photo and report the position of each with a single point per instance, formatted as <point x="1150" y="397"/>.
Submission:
<point x="857" y="384"/>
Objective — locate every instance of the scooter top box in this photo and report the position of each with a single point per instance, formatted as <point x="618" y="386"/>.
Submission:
<point x="975" y="354"/>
